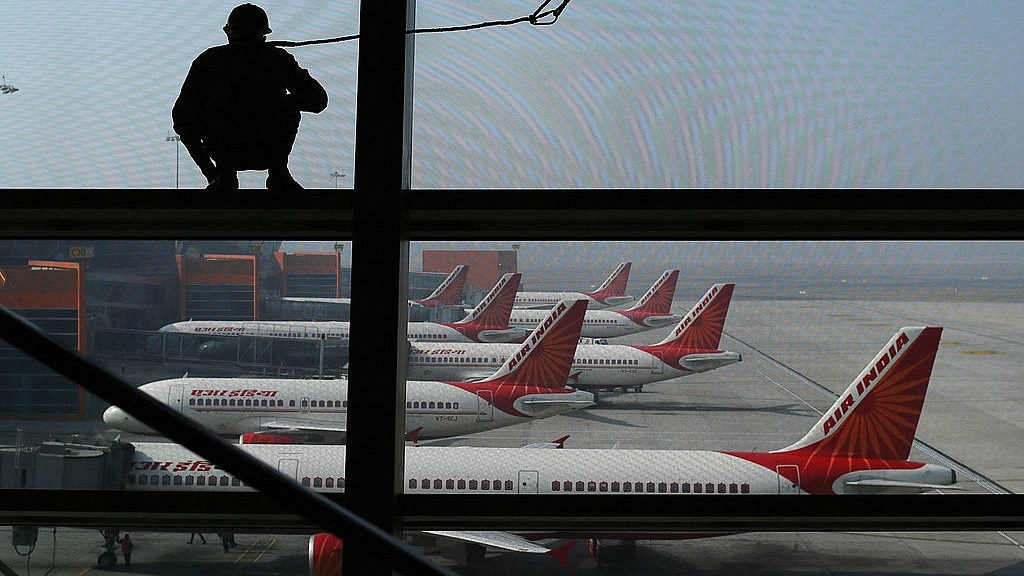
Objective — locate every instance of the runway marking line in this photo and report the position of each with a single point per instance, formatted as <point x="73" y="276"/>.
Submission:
<point x="267" y="545"/>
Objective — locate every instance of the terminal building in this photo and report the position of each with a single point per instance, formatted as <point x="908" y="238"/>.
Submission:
<point x="108" y="300"/>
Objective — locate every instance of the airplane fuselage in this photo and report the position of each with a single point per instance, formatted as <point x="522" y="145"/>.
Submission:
<point x="598" y="323"/>
<point x="594" y="366"/>
<point x="308" y="330"/>
<point x="313" y="330"/>
<point x="476" y="470"/>
<point x="232" y="406"/>
<point x="545" y="300"/>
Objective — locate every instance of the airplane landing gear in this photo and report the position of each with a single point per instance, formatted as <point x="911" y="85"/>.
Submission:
<point x="475" y="554"/>
<point x="107" y="560"/>
<point x="614" y="552"/>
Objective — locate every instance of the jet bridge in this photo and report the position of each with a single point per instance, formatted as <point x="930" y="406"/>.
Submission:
<point x="62" y="466"/>
<point x="65" y="466"/>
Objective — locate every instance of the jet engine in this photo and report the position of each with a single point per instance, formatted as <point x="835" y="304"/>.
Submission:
<point x="325" y="555"/>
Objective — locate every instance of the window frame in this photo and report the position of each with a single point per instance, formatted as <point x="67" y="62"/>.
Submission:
<point x="382" y="212"/>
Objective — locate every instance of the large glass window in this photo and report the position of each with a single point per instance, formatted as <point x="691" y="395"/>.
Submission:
<point x="655" y="96"/>
<point x="803" y="320"/>
<point x="720" y="94"/>
<point x="96" y="83"/>
<point x="659" y="95"/>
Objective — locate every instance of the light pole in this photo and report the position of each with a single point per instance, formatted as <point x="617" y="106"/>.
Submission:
<point x="176" y="139"/>
<point x="336" y="175"/>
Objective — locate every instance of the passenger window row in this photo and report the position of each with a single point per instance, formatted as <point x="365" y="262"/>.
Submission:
<point x="606" y="361"/>
<point x="432" y="405"/>
<point x="248" y="403"/>
<point x="651" y="487"/>
<point x="319" y="482"/>
<point x="220" y="480"/>
<point x="324" y="403"/>
<point x="183" y="480"/>
<point x="461" y="484"/>
<point x="475" y="360"/>
<point x="454" y="360"/>
<point x="236" y="402"/>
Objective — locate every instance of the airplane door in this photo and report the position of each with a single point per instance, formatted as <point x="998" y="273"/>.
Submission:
<point x="485" y="406"/>
<point x="304" y="405"/>
<point x="658" y="362"/>
<point x="176" y="397"/>
<point x="787" y="486"/>
<point x="528" y="481"/>
<point x="289" y="467"/>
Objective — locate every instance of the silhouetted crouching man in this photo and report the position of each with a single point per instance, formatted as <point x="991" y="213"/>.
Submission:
<point x="240" y="104"/>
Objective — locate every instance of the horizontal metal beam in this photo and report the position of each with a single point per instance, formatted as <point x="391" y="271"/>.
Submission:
<point x="505" y="214"/>
<point x="576" y="514"/>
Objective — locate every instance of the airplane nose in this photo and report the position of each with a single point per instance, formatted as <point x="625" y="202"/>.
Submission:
<point x="113" y="416"/>
<point x="117" y="418"/>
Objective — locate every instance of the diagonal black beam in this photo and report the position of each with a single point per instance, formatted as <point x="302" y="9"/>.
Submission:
<point x="318" y="509"/>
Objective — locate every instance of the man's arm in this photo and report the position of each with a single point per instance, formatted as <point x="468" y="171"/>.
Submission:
<point x="305" y="92"/>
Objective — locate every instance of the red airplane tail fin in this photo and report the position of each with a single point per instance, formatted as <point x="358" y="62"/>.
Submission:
<point x="451" y="291"/>
<point x="614" y="285"/>
<point x="496" y="307"/>
<point x="876" y="417"/>
<point x="702" y="327"/>
<point x="545" y="357"/>
<point x="657" y="301"/>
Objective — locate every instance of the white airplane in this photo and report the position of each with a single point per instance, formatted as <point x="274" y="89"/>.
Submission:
<point x="451" y="292"/>
<point x="530" y="384"/>
<point x="653" y="310"/>
<point x="612" y="292"/>
<point x="487" y="322"/>
<point x="289" y="329"/>
<point x="692" y="347"/>
<point x="861" y="445"/>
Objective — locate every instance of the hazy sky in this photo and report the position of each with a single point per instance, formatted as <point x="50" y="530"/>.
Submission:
<point x="580" y="265"/>
<point x="656" y="93"/>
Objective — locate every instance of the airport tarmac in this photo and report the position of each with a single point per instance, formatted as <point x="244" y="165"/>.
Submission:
<point x="797" y="356"/>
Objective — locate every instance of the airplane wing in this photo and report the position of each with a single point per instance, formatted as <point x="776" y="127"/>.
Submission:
<point x="556" y="444"/>
<point x="507" y="541"/>
<point x="298" y="426"/>
<point x="503" y="540"/>
<point x="289" y="431"/>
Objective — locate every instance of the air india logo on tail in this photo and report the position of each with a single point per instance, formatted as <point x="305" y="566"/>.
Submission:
<point x="872" y="375"/>
<point x="545" y="358"/>
<point x="695" y="312"/>
<point x="451" y="278"/>
<point x="701" y="328"/>
<point x="658" y="300"/>
<point x="496" y="307"/>
<point x="537" y="334"/>
<point x="615" y="285"/>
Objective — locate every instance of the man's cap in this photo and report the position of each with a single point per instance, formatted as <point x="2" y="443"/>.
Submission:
<point x="248" y="18"/>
